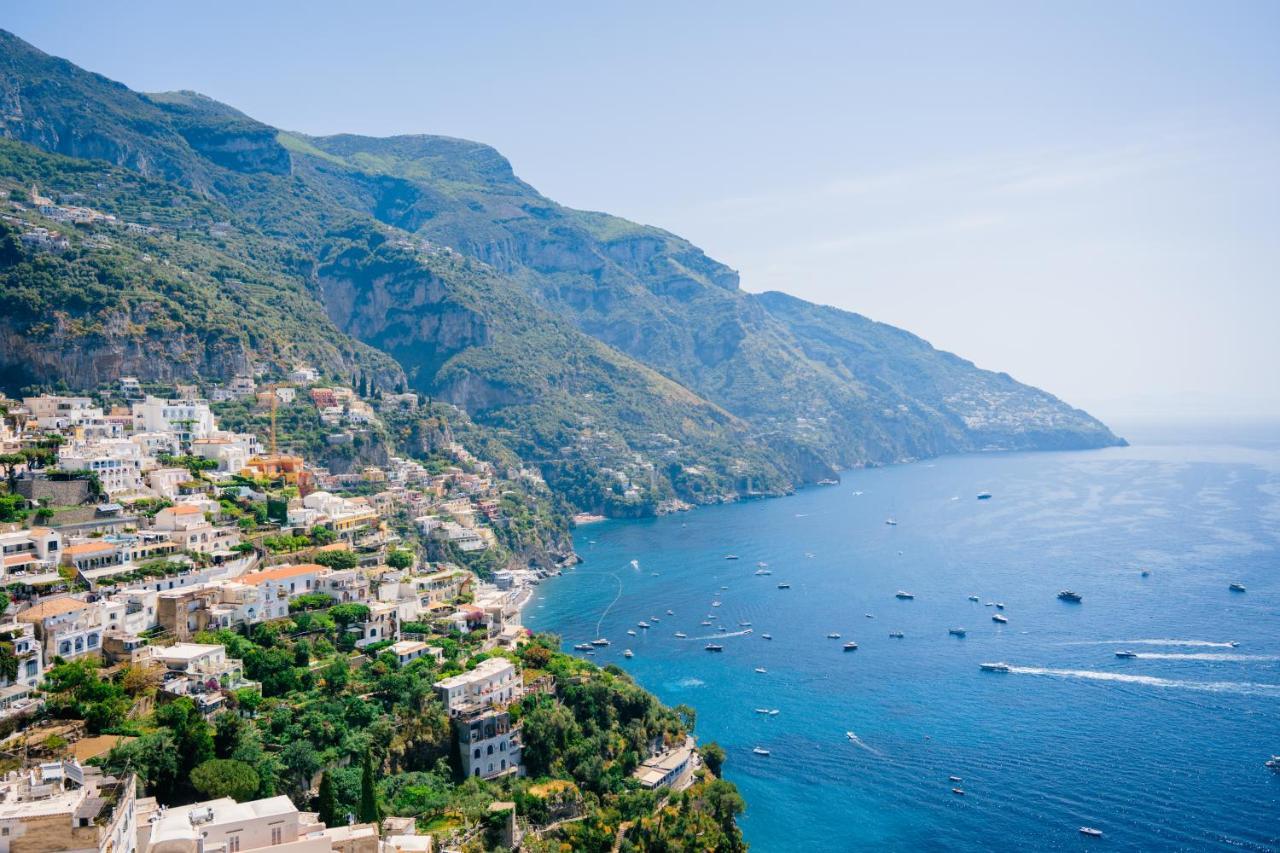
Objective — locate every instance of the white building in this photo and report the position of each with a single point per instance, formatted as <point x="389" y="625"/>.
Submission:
<point x="225" y="826"/>
<point x="494" y="681"/>
<point x="66" y="626"/>
<point x="61" y="806"/>
<point x="489" y="744"/>
<point x="116" y="462"/>
<point x="186" y="419"/>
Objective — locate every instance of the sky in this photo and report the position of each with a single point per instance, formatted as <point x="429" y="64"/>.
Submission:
<point x="1085" y="195"/>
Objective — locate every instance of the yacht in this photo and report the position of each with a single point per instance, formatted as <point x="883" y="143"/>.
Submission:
<point x="712" y="647"/>
<point x="1091" y="832"/>
<point x="762" y="710"/>
<point x="994" y="667"/>
<point x="642" y="624"/>
<point x="896" y="635"/>
<point x="583" y="647"/>
<point x="767" y="636"/>
<point x="999" y="605"/>
<point x="600" y="642"/>
<point x="784" y="585"/>
<point x="973" y="598"/>
<point x="989" y="604"/>
<point x="996" y="617"/>
<point x="706" y="622"/>
<point x="761" y="670"/>
<point x="631" y="631"/>
<point x="773" y="712"/>
<point x="1126" y="654"/>
<point x="760" y="750"/>
<point x="1068" y="595"/>
<point x="763" y="572"/>
<point x="984" y="496"/>
<point x="827" y="481"/>
<point x="1237" y="587"/>
<point x="959" y="792"/>
<point x="833" y="636"/>
<point x="628" y="654"/>
<point x="731" y="556"/>
<point x="744" y="624"/>
<point x="892" y="522"/>
<point x="850" y="646"/>
<point x="868" y="615"/>
<point x="905" y="596"/>
<point x="956" y="632"/>
<point x="955" y="779"/>
<point x="681" y="634"/>
<point x="715" y="604"/>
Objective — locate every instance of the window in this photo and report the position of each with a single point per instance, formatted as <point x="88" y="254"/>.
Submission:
<point x="477" y="755"/>
<point x="276" y="834"/>
<point x="233" y="844"/>
<point x="490" y="749"/>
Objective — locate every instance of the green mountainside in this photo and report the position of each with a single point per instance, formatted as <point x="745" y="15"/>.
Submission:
<point x="618" y="357"/>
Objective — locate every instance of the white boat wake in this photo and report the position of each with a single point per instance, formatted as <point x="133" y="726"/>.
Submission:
<point x="742" y="633"/>
<point x="857" y="741"/>
<point x="1242" y="688"/>
<point x="1206" y="656"/>
<point x="1198" y="644"/>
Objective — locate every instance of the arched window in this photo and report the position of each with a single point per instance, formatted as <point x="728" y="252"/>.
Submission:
<point x="477" y="752"/>
<point x="490" y="749"/>
<point x="502" y="747"/>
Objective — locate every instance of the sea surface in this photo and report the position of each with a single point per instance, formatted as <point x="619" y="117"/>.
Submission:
<point x="1164" y="751"/>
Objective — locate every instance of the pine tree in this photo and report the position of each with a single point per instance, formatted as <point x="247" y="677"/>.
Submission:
<point x="327" y="803"/>
<point x="369" y="812"/>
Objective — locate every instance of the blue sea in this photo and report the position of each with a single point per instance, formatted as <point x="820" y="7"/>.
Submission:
<point x="1164" y="751"/>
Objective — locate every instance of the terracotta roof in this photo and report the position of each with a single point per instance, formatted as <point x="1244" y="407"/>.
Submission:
<point x="184" y="509"/>
<point x="52" y="607"/>
<point x="335" y="546"/>
<point x="88" y="548"/>
<point x="279" y="573"/>
<point x="19" y="559"/>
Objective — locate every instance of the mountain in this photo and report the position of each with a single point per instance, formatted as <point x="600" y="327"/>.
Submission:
<point x="618" y="357"/>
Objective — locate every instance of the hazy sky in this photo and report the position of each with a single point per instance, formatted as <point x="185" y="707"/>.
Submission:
<point x="1083" y="194"/>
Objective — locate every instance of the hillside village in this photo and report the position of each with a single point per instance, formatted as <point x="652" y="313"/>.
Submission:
<point x="158" y="567"/>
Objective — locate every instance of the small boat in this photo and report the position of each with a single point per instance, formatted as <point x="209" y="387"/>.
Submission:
<point x="706" y="621"/>
<point x="984" y="496"/>
<point x="827" y="481"/>
<point x="712" y="647"/>
<point x="1146" y="574"/>
<point x="670" y="612"/>
<point x="955" y="779"/>
<point x="642" y="624"/>
<point x="973" y="598"/>
<point x="635" y="564"/>
<point x="583" y="647"/>
<point x="773" y="712"/>
<point x="763" y="572"/>
<point x="731" y="556"/>
<point x="999" y="605"/>
<point x="833" y="636"/>
<point x="956" y="632"/>
<point x="762" y="710"/>
<point x="592" y="652"/>
<point x="1233" y="644"/>
<point x="601" y="641"/>
<point x="851" y="736"/>
<point x="654" y="619"/>
<point x="1272" y="763"/>
<point x="1237" y="587"/>
<point x="631" y="631"/>
<point x="724" y="587"/>
<point x="760" y="750"/>
<point x="959" y="792"/>
<point x="628" y="654"/>
<point x="994" y="667"/>
<point x="744" y="624"/>
<point x="996" y="617"/>
<point x="784" y="586"/>
<point x="868" y="615"/>
<point x="715" y="604"/>
<point x="767" y="636"/>
<point x="896" y="635"/>
<point x="903" y="595"/>
<point x="850" y="646"/>
<point x="762" y="564"/>
<point x="989" y="604"/>
<point x="1126" y="654"/>
<point x="1068" y="595"/>
<point x="761" y="670"/>
<point x="892" y="522"/>
<point x="681" y="635"/>
<point x="1091" y="832"/>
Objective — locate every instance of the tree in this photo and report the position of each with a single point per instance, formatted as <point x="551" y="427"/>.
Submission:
<point x="369" y="812"/>
<point x="327" y="802"/>
<point x="223" y="777"/>
<point x="400" y="559"/>
<point x="301" y="762"/>
<point x="190" y="733"/>
<point x="337" y="560"/>
<point x="154" y="758"/>
<point x="713" y="755"/>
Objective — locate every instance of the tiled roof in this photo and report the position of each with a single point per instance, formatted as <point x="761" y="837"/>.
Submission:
<point x="53" y="607"/>
<point x="279" y="573"/>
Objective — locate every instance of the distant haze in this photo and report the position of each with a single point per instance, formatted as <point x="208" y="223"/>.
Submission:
<point x="1086" y="196"/>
